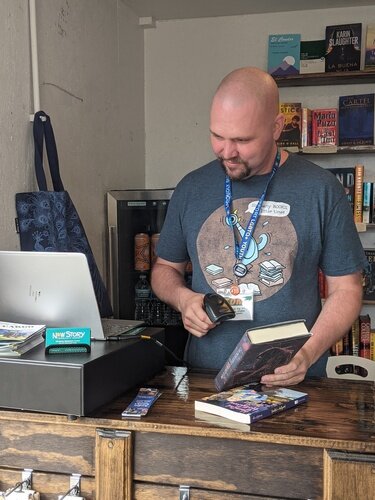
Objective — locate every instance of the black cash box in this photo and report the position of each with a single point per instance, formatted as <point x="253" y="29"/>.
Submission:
<point x="78" y="384"/>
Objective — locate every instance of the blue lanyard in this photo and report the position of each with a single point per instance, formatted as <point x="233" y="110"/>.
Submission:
<point x="241" y="248"/>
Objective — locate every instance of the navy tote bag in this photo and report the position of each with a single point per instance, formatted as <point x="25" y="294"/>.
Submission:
<point x="48" y="220"/>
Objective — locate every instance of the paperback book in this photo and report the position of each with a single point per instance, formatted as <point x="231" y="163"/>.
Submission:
<point x="260" y="351"/>
<point x="18" y="338"/>
<point x="356" y="120"/>
<point x="249" y="403"/>
<point x="291" y="134"/>
<point x="343" y="47"/>
<point x="370" y="48"/>
<point x="306" y="127"/>
<point x="346" y="175"/>
<point x="324" y="127"/>
<point x="312" y="57"/>
<point x="284" y="54"/>
<point x="369" y="276"/>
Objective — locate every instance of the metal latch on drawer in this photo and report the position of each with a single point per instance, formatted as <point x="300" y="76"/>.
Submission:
<point x="184" y="492"/>
<point x="20" y="495"/>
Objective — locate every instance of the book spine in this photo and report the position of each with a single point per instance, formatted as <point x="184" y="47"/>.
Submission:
<point x="372" y="345"/>
<point x="358" y="192"/>
<point x="355" y="337"/>
<point x="306" y="128"/>
<point x="364" y="336"/>
<point x="366" y="202"/>
<point x="224" y="377"/>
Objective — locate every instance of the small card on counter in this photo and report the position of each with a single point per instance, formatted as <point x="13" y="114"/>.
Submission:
<point x="142" y="403"/>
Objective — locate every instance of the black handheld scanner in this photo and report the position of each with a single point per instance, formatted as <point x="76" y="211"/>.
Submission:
<point x="217" y="308"/>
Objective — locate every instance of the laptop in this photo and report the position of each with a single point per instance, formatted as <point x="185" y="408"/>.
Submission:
<point x="55" y="289"/>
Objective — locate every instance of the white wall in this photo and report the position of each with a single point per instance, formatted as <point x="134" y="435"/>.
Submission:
<point x="186" y="59"/>
<point x="92" y="86"/>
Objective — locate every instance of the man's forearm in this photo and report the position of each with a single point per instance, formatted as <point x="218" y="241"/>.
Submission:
<point x="167" y="284"/>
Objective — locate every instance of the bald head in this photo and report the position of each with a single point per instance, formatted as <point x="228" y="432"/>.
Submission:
<point x="249" y="84"/>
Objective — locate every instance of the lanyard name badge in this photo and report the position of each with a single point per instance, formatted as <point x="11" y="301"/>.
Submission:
<point x="241" y="296"/>
<point x="240" y="249"/>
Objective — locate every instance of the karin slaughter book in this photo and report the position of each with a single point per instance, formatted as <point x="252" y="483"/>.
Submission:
<point x="247" y="404"/>
<point x="260" y="351"/>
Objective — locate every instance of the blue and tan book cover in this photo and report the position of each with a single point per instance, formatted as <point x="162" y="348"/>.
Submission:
<point x="343" y="47"/>
<point x="370" y="48"/>
<point x="284" y="54"/>
<point x="356" y="120"/>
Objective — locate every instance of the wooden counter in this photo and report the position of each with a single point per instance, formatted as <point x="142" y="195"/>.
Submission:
<point x="322" y="449"/>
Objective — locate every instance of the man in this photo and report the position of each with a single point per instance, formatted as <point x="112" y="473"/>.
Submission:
<point x="264" y="254"/>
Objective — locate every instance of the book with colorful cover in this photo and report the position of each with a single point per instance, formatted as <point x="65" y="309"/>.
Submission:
<point x="369" y="275"/>
<point x="359" y="173"/>
<point x="312" y="56"/>
<point x="343" y="47"/>
<point x="324" y="126"/>
<point x="284" y="54"/>
<point x="356" y="120"/>
<point x="370" y="47"/>
<point x="260" y="351"/>
<point x="290" y="136"/>
<point x="18" y="338"/>
<point x="364" y="336"/>
<point x="346" y="175"/>
<point x="249" y="403"/>
<point x="367" y="202"/>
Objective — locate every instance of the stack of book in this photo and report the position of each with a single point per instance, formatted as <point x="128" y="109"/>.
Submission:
<point x="18" y="338"/>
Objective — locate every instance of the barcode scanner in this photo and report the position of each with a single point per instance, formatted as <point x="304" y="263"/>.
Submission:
<point x="217" y="308"/>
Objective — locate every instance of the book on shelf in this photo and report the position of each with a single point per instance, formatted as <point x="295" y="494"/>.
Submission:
<point x="370" y="47"/>
<point x="260" y="351"/>
<point x="249" y="403"/>
<point x="372" y="345"/>
<point x="369" y="275"/>
<point x="324" y="126"/>
<point x="364" y="336"/>
<point x="306" y="134"/>
<point x="346" y="176"/>
<point x="355" y="337"/>
<point x="343" y="47"/>
<point x="18" y="338"/>
<point x="359" y="170"/>
<point x="356" y="120"/>
<point x="312" y="56"/>
<point x="291" y="133"/>
<point x="367" y="202"/>
<point x="284" y="54"/>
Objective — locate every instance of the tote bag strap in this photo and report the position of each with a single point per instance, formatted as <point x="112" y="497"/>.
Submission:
<point x="42" y="131"/>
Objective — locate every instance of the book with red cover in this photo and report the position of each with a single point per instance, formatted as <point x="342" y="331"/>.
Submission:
<point x="260" y="351"/>
<point x="247" y="403"/>
<point x="324" y="126"/>
<point x="364" y="336"/>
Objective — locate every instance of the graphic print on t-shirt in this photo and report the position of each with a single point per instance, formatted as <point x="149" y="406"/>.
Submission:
<point x="269" y="258"/>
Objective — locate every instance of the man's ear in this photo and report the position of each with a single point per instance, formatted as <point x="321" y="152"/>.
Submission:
<point x="278" y="126"/>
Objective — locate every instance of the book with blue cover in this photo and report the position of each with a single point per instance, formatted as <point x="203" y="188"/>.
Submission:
<point x="284" y="54"/>
<point x="370" y="47"/>
<point x="356" y="120"/>
<point x="249" y="403"/>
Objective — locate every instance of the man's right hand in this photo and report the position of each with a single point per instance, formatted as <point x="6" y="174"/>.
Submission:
<point x="193" y="315"/>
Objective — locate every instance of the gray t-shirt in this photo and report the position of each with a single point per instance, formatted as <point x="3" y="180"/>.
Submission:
<point x="306" y="223"/>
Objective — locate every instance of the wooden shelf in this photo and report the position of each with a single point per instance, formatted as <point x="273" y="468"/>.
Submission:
<point x="336" y="78"/>
<point x="329" y="150"/>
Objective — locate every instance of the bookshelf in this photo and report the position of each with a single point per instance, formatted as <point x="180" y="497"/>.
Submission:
<point x="316" y="79"/>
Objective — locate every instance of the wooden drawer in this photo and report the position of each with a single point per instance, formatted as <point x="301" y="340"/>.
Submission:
<point x="48" y="485"/>
<point x="226" y="465"/>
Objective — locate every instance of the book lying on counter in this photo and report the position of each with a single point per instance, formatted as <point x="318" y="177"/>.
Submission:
<point x="18" y="338"/>
<point x="260" y="351"/>
<point x="249" y="403"/>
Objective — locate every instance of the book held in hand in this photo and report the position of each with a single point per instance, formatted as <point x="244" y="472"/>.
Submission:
<point x="260" y="351"/>
<point x="249" y="403"/>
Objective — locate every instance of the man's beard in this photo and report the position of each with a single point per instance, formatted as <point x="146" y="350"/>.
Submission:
<point x="240" y="174"/>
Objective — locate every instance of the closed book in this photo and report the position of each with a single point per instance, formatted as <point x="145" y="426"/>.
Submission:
<point x="312" y="56"/>
<point x="346" y="177"/>
<point x="358" y="192"/>
<point x="290" y="136"/>
<point x="324" y="126"/>
<point x="356" y="120"/>
<point x="369" y="275"/>
<point x="364" y="336"/>
<point x="306" y="114"/>
<point x="343" y="47"/>
<point x="355" y="337"/>
<point x="260" y="351"/>
<point x="366" y="204"/>
<point x="284" y="54"/>
<point x="370" y="47"/>
<point x="247" y="404"/>
<point x="18" y="338"/>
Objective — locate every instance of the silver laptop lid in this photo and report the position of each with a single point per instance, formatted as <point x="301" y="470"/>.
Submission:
<point x="53" y="288"/>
